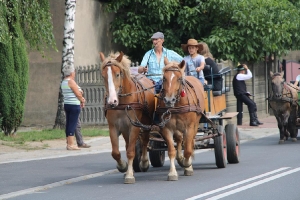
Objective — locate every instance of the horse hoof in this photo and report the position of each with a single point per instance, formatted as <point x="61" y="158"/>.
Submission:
<point x="281" y="142"/>
<point x="144" y="167"/>
<point x="129" y="180"/>
<point x="172" y="178"/>
<point x="294" y="139"/>
<point x="188" y="172"/>
<point x="123" y="167"/>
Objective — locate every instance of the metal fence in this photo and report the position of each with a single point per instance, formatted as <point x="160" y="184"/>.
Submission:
<point x="90" y="80"/>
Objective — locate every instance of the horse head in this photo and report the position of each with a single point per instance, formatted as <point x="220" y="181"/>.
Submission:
<point x="277" y="84"/>
<point x="114" y="69"/>
<point x="173" y="81"/>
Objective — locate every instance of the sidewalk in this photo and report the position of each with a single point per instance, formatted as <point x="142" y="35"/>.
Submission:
<point x="254" y="132"/>
<point x="102" y="144"/>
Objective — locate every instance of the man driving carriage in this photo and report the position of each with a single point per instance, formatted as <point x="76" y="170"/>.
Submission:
<point x="153" y="60"/>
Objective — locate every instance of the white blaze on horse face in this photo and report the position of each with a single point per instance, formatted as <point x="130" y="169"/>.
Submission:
<point x="112" y="98"/>
<point x="172" y="76"/>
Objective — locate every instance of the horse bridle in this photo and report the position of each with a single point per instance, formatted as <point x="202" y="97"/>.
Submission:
<point x="182" y="84"/>
<point x="109" y="64"/>
<point x="288" y="96"/>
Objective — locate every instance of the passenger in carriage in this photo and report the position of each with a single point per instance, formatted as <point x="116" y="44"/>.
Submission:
<point x="297" y="82"/>
<point x="153" y="60"/>
<point x="194" y="62"/>
<point x="209" y="60"/>
<point x="241" y="93"/>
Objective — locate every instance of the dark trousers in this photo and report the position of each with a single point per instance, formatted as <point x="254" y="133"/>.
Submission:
<point x="78" y="134"/>
<point x="72" y="114"/>
<point x="246" y="100"/>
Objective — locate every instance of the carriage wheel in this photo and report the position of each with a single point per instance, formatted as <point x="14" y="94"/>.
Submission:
<point x="137" y="157"/>
<point x="233" y="143"/>
<point x="157" y="158"/>
<point x="220" y="148"/>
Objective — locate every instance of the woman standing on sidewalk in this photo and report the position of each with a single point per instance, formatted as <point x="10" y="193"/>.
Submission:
<point x="73" y="102"/>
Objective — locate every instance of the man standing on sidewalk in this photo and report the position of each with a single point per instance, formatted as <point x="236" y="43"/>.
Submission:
<point x="241" y="93"/>
<point x="78" y="134"/>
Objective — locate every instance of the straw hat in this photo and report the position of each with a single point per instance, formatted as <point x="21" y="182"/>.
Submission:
<point x="192" y="42"/>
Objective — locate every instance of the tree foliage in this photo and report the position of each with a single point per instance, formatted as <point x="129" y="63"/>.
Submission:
<point x="242" y="30"/>
<point x="17" y="27"/>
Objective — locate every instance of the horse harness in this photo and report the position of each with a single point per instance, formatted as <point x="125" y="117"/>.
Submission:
<point x="287" y="95"/>
<point x="185" y="86"/>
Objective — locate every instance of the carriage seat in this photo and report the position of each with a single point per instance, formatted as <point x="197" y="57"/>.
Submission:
<point x="215" y="77"/>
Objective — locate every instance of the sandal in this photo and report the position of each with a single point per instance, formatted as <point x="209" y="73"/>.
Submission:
<point x="72" y="147"/>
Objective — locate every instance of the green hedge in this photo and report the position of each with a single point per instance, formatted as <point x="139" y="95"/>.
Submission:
<point x="14" y="71"/>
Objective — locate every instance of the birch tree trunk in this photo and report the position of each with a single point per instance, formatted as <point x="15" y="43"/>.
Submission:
<point x="67" y="57"/>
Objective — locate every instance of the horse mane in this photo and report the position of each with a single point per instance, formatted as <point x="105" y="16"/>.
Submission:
<point x="124" y="65"/>
<point x="175" y="65"/>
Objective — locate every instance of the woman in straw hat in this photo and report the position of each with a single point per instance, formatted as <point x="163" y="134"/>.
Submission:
<point x="194" y="62"/>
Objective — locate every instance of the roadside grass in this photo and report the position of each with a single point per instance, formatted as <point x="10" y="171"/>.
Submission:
<point x="19" y="140"/>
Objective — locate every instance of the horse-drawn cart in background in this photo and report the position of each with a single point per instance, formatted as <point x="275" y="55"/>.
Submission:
<point x="211" y="132"/>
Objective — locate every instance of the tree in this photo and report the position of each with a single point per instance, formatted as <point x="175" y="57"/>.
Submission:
<point x="238" y="30"/>
<point x="67" y="57"/>
<point x="18" y="17"/>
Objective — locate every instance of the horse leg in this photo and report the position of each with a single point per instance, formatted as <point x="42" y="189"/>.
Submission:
<point x="285" y="120"/>
<point x="114" y="139"/>
<point x="144" y="164"/>
<point x="188" y="148"/>
<point x="172" y="176"/>
<point x="178" y="137"/>
<point x="188" y="171"/>
<point x="291" y="124"/>
<point x="281" y="129"/>
<point x="130" y="152"/>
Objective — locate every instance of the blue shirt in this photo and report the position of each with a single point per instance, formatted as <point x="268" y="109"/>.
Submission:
<point x="155" y="67"/>
<point x="191" y="64"/>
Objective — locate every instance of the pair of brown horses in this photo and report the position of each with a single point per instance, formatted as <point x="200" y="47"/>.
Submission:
<point x="185" y="95"/>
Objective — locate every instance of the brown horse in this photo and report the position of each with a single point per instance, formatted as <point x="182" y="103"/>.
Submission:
<point x="123" y="90"/>
<point x="183" y="96"/>
<point x="283" y="101"/>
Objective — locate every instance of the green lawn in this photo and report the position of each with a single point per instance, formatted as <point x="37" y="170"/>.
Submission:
<point x="49" y="134"/>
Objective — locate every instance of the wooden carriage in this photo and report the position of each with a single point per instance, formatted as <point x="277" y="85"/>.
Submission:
<point x="211" y="134"/>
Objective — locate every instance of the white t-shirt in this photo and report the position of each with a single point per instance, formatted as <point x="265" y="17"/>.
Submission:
<point x="298" y="78"/>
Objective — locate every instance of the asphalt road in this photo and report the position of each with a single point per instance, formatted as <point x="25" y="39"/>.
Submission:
<point x="266" y="170"/>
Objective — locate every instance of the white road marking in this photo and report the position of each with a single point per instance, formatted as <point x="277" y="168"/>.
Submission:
<point x="56" y="184"/>
<point x="238" y="183"/>
<point x="68" y="181"/>
<point x="254" y="184"/>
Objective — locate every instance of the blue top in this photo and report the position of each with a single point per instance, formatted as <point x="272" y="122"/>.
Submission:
<point x="192" y="63"/>
<point x="154" y="67"/>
